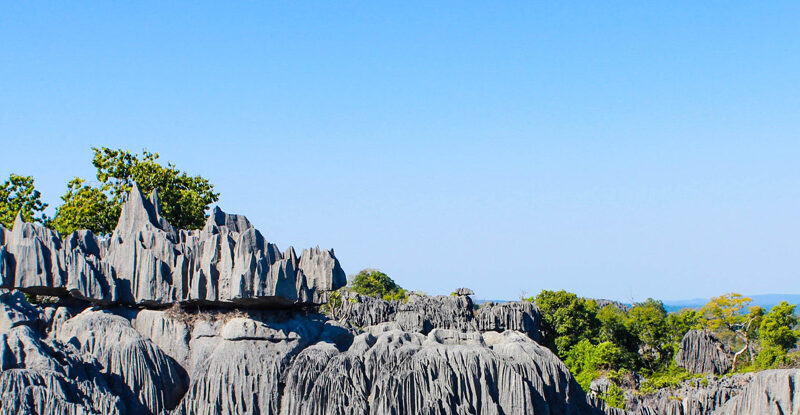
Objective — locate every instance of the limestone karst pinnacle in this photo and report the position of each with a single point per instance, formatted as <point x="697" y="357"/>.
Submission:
<point x="146" y="261"/>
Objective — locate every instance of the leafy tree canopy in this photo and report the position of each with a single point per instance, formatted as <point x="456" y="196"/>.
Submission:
<point x="375" y="283"/>
<point x="648" y="321"/>
<point x="184" y="198"/>
<point x="18" y="195"/>
<point x="567" y="319"/>
<point x="776" y="327"/>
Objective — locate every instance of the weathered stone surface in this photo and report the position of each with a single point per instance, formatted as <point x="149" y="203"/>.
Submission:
<point x="15" y="311"/>
<point x="701" y="352"/>
<point x="419" y="313"/>
<point x="147" y="261"/>
<point x="522" y="316"/>
<point x="280" y="362"/>
<point x="445" y="372"/>
<point x="141" y="374"/>
<point x="364" y="311"/>
<point x="463" y="291"/>
<point x="692" y="397"/>
<point x="44" y="376"/>
<point x="422" y="313"/>
<point x="237" y="363"/>
<point x="769" y="392"/>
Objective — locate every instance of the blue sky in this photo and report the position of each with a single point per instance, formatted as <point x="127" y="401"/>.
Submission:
<point x="615" y="149"/>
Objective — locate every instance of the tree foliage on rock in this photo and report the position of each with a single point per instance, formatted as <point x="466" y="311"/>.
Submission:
<point x="19" y="196"/>
<point x="375" y="283"/>
<point x="184" y="198"/>
<point x="732" y="312"/>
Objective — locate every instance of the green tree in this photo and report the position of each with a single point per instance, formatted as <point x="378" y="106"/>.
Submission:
<point x="585" y="360"/>
<point x="85" y="207"/>
<point x="184" y="199"/>
<point x="731" y="312"/>
<point x="777" y="327"/>
<point x="648" y="321"/>
<point x="18" y="195"/>
<point x="566" y="319"/>
<point x="614" y="328"/>
<point x="374" y="283"/>
<point x="678" y="324"/>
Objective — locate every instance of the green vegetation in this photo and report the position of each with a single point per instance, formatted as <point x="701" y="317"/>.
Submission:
<point x="614" y="396"/>
<point x="567" y="319"/>
<point x="729" y="314"/>
<point x="607" y="341"/>
<point x="375" y="283"/>
<point x="184" y="198"/>
<point x="18" y="195"/>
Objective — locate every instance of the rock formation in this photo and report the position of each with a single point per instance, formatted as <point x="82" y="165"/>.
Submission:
<point x="424" y="313"/>
<point x="768" y="392"/>
<point x="155" y="320"/>
<point x="701" y="352"/>
<point x="146" y="261"/>
<point x="693" y="397"/>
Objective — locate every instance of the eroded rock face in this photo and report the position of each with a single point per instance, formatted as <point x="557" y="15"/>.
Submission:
<point x="444" y="372"/>
<point x="147" y="261"/>
<point x="522" y="316"/>
<point x="701" y="352"/>
<point x="692" y="397"/>
<point x="768" y="392"/>
<point x="423" y="314"/>
<point x="43" y="376"/>
<point x="147" y="380"/>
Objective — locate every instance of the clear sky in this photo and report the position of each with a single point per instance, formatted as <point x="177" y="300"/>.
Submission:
<point x="614" y="149"/>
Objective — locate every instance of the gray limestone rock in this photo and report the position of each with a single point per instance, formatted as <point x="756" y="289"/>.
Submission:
<point x="701" y="352"/>
<point x="423" y="313"/>
<point x="769" y="392"/>
<point x="522" y="316"/>
<point x="15" y="311"/>
<point x="419" y="313"/>
<point x="692" y="397"/>
<point x="237" y="362"/>
<point x="445" y="372"/>
<point x="463" y="291"/>
<point x="146" y="261"/>
<point x="147" y="380"/>
<point x="43" y="377"/>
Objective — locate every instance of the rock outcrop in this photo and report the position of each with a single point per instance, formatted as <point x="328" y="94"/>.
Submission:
<point x="701" y="352"/>
<point x="423" y="314"/>
<point x="146" y="261"/>
<point x="693" y="397"/>
<point x="522" y="316"/>
<point x="768" y="392"/>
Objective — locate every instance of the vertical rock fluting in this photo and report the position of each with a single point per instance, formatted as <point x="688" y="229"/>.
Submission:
<point x="44" y="376"/>
<point x="423" y="314"/>
<point x="146" y="379"/>
<point x="522" y="316"/>
<point x="692" y="397"/>
<point x="148" y="262"/>
<point x="768" y="392"/>
<point x="701" y="352"/>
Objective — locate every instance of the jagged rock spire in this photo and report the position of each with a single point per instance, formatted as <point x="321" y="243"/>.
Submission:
<point x="147" y="261"/>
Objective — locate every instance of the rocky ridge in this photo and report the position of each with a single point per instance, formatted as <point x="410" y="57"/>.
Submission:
<point x="155" y="320"/>
<point x="147" y="262"/>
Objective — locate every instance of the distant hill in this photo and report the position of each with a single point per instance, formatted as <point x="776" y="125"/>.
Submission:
<point x="764" y="300"/>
